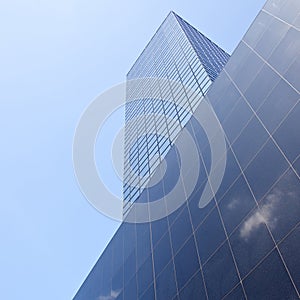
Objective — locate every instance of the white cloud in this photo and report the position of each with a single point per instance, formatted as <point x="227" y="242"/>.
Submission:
<point x="113" y="295"/>
<point x="286" y="193"/>
<point x="251" y="224"/>
<point x="266" y="214"/>
<point x="233" y="204"/>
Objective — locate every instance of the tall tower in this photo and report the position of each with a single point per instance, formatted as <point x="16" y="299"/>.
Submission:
<point x="177" y="53"/>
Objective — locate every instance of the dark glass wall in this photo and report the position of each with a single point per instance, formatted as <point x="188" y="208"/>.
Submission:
<point x="244" y="244"/>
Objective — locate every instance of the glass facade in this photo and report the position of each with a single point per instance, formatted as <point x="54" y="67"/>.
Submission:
<point x="178" y="53"/>
<point x="244" y="244"/>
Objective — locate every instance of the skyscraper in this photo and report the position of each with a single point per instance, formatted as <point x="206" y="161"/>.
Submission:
<point x="244" y="242"/>
<point x="178" y="53"/>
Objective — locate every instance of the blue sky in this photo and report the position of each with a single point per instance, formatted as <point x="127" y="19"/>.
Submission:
<point x="55" y="57"/>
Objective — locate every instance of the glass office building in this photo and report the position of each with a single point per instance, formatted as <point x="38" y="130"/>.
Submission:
<point x="178" y="53"/>
<point x="244" y="242"/>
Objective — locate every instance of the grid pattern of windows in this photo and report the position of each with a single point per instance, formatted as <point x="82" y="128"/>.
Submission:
<point x="212" y="57"/>
<point x="245" y="243"/>
<point x="177" y="53"/>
